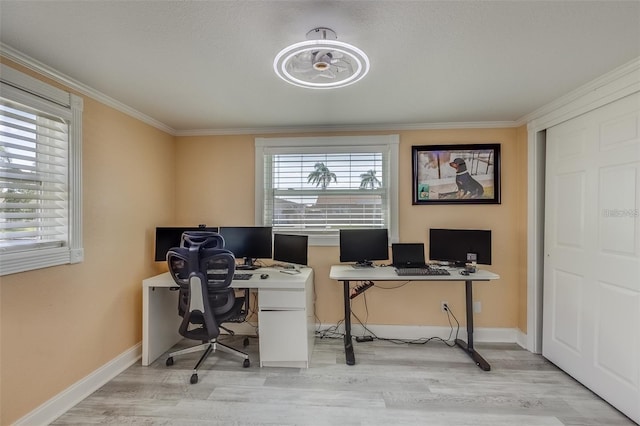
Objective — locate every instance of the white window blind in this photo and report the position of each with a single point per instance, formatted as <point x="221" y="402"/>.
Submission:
<point x="40" y="174"/>
<point x="317" y="186"/>
<point x="33" y="177"/>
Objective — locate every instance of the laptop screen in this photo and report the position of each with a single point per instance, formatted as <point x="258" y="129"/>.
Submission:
<point x="408" y="254"/>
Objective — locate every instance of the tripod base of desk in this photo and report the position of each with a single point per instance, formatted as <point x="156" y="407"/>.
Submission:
<point x="475" y="356"/>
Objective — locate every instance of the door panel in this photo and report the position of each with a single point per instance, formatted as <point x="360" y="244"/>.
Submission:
<point x="566" y="327"/>
<point x="618" y="228"/>
<point x="570" y="207"/>
<point x="591" y="319"/>
<point x="616" y="305"/>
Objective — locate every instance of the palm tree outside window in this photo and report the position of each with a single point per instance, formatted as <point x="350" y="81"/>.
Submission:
<point x="369" y="180"/>
<point x="321" y="175"/>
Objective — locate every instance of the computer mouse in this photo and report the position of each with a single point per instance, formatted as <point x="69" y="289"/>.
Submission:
<point x="264" y="276"/>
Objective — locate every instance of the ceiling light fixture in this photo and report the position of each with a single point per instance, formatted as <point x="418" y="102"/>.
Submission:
<point x="321" y="62"/>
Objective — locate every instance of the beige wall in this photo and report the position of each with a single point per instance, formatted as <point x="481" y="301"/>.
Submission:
<point x="59" y="324"/>
<point x="215" y="185"/>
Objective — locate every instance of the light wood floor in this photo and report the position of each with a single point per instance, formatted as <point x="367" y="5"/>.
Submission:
<point x="391" y="384"/>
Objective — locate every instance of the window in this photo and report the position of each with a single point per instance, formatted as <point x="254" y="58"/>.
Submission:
<point x="316" y="186"/>
<point x="40" y="204"/>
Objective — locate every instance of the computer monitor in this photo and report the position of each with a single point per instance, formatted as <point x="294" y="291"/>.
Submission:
<point x="290" y="249"/>
<point x="248" y="242"/>
<point x="363" y="246"/>
<point x="169" y="237"/>
<point x="453" y="245"/>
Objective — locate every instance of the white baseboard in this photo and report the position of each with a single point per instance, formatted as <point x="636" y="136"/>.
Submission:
<point x="521" y="339"/>
<point x="59" y="404"/>
<point x="410" y="332"/>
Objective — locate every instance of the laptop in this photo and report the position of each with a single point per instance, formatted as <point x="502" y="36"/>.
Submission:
<point x="408" y="255"/>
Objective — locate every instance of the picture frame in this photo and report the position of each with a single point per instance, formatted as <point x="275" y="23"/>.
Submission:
<point x="456" y="174"/>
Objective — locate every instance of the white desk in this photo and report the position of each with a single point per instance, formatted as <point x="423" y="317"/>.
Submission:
<point x="285" y="315"/>
<point x="347" y="273"/>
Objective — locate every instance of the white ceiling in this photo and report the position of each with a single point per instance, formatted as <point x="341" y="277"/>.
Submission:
<point x="208" y="65"/>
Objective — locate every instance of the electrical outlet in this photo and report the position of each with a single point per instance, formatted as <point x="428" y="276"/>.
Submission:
<point x="443" y="306"/>
<point x="477" y="307"/>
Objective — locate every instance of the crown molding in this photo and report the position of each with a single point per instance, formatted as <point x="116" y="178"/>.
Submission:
<point x="349" y="128"/>
<point x="602" y="88"/>
<point x="45" y="70"/>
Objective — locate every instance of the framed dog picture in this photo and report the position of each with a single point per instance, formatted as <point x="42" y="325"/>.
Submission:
<point x="456" y="174"/>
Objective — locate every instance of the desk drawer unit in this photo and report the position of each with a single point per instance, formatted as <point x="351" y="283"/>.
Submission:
<point x="281" y="299"/>
<point x="283" y="328"/>
<point x="283" y="339"/>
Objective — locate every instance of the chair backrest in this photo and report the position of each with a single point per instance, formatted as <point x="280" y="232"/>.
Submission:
<point x="186" y="258"/>
<point x="203" y="239"/>
<point x="204" y="271"/>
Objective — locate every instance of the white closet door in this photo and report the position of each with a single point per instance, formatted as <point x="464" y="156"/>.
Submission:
<point x="591" y="320"/>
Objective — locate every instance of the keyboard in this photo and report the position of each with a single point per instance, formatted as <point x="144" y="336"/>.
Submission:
<point x="404" y="271"/>
<point x="242" y="277"/>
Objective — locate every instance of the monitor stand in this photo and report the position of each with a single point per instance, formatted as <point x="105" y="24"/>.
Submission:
<point x="291" y="270"/>
<point x="248" y="265"/>
<point x="363" y="264"/>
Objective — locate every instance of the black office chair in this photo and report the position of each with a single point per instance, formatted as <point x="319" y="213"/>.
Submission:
<point x="203" y="271"/>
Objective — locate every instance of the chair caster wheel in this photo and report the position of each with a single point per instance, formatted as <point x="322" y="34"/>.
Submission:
<point x="245" y="342"/>
<point x="169" y="361"/>
<point x="246" y="363"/>
<point x="194" y="379"/>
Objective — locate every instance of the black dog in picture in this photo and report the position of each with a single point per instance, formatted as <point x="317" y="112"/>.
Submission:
<point x="468" y="187"/>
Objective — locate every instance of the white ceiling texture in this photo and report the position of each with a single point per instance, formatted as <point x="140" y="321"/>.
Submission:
<point x="207" y="66"/>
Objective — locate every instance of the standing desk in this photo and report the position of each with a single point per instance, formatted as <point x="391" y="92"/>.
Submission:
<point x="347" y="273"/>
<point x="285" y="315"/>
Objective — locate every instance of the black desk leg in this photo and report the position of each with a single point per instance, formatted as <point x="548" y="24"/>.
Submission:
<point x="468" y="345"/>
<point x="348" y="342"/>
